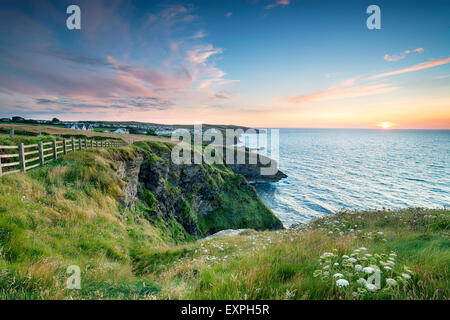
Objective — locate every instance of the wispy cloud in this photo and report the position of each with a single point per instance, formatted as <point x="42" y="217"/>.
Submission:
<point x="390" y="58"/>
<point x="420" y="66"/>
<point x="47" y="75"/>
<point x="278" y="3"/>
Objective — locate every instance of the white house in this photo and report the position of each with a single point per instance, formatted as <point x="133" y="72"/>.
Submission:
<point x="79" y="126"/>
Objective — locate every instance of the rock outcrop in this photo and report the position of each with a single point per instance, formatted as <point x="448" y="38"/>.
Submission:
<point x="203" y="199"/>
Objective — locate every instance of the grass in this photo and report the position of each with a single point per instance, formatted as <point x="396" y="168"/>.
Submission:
<point x="68" y="213"/>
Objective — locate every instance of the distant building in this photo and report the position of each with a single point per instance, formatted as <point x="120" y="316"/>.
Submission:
<point x="79" y="126"/>
<point x="121" y="131"/>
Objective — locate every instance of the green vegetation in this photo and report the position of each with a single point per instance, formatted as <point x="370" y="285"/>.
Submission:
<point x="68" y="213"/>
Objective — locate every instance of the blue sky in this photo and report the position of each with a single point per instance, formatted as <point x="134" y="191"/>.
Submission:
<point x="293" y="63"/>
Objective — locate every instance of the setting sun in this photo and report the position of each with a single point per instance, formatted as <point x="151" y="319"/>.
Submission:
<point x="385" y="125"/>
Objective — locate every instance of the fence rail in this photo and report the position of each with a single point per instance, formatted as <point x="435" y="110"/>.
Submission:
<point x="22" y="157"/>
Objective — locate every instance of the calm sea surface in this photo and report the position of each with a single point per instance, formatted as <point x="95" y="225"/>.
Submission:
<point x="333" y="169"/>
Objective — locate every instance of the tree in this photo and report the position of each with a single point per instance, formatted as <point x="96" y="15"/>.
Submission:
<point x="55" y="120"/>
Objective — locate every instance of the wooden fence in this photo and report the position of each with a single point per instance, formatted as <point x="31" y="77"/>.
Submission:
<point x="22" y="157"/>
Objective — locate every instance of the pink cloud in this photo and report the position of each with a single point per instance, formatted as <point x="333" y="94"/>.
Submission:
<point x="420" y="66"/>
<point x="278" y="3"/>
<point x="335" y="93"/>
<point x="201" y="54"/>
<point x="390" y="58"/>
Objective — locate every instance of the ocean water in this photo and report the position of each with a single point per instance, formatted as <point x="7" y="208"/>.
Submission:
<point x="333" y="169"/>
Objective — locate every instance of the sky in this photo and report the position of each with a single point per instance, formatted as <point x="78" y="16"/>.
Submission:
<point x="259" y="63"/>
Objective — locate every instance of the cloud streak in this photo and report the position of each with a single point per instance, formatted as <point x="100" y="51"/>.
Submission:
<point x="278" y="3"/>
<point x="336" y="93"/>
<point x="420" y="66"/>
<point x="390" y="58"/>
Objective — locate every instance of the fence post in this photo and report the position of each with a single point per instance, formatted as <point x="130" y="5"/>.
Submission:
<point x="11" y="132"/>
<point x="23" y="168"/>
<point x="55" y="154"/>
<point x="64" y="146"/>
<point x="41" y="153"/>
<point x="85" y="143"/>
<point x="73" y="144"/>
<point x="1" y="167"/>
<point x="79" y="144"/>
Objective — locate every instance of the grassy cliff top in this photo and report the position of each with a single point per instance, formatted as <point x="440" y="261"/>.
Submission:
<point x="67" y="213"/>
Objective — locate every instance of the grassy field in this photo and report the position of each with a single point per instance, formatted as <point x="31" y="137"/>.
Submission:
<point x="131" y="138"/>
<point x="68" y="213"/>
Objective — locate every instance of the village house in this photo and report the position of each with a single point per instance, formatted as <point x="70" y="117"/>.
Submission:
<point x="79" y="126"/>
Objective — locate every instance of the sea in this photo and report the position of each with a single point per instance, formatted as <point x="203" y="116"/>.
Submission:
<point x="350" y="169"/>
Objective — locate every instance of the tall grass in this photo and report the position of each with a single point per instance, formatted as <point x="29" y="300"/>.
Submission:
<point x="68" y="213"/>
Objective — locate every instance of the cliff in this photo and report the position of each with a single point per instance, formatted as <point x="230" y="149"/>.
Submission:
<point x="201" y="199"/>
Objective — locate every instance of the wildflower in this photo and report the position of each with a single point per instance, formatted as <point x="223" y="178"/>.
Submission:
<point x="387" y="268"/>
<point x="363" y="249"/>
<point x="368" y="270"/>
<point x="345" y="256"/>
<point x="336" y="264"/>
<point x="371" y="287"/>
<point x="338" y="275"/>
<point x="380" y="233"/>
<point x="391" y="282"/>
<point x="362" y="281"/>
<point x="406" y="276"/>
<point x="352" y="260"/>
<point x="326" y="267"/>
<point x="358" y="267"/>
<point x="331" y="232"/>
<point x="342" y="283"/>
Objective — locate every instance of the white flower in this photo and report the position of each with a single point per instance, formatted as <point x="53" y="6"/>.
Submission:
<point x="352" y="260"/>
<point x="368" y="255"/>
<point x="326" y="273"/>
<point x="338" y="275"/>
<point x="380" y="233"/>
<point x="363" y="249"/>
<point x="371" y="287"/>
<point x="406" y="276"/>
<point x="358" y="267"/>
<point x="326" y="267"/>
<point x="331" y="232"/>
<point x="368" y="270"/>
<point x="345" y="256"/>
<point x="362" y="281"/>
<point x="342" y="283"/>
<point x="391" y="282"/>
<point x="341" y="233"/>
<point x="335" y="264"/>
<point x="387" y="268"/>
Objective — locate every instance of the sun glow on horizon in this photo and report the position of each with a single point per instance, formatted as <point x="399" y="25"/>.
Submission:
<point x="385" y="125"/>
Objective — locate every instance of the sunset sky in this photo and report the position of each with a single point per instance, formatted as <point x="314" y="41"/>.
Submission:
<point x="262" y="63"/>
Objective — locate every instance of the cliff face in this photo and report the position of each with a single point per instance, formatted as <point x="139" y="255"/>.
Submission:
<point x="203" y="199"/>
